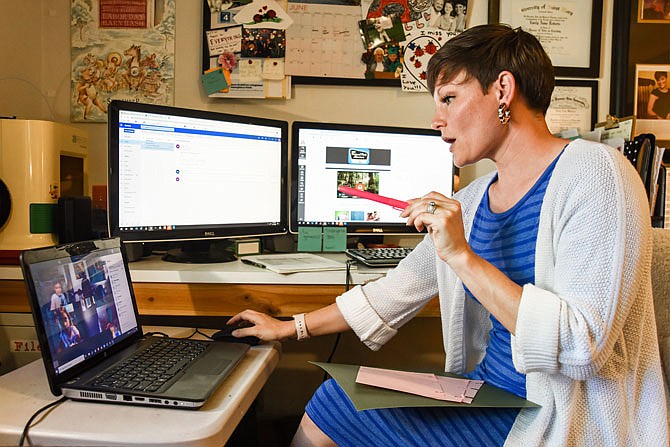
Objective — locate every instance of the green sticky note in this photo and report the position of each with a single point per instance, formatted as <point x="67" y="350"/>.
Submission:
<point x="309" y="238"/>
<point x="213" y="81"/>
<point x="334" y="238"/>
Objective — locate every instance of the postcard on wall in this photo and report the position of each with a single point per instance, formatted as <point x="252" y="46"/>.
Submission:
<point x="120" y="49"/>
<point x="223" y="40"/>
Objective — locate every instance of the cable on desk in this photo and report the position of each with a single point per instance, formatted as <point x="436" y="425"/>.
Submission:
<point x="162" y="334"/>
<point x="24" y="434"/>
<point x="198" y="331"/>
<point x="347" y="285"/>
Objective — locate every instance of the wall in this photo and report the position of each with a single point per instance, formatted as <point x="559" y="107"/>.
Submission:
<point x="35" y="67"/>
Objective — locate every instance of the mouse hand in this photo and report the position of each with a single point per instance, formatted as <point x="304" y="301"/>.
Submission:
<point x="263" y="326"/>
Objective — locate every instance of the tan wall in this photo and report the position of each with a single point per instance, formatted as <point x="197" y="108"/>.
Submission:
<point x="35" y="67"/>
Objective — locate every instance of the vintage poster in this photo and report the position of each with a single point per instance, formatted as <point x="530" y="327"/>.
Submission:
<point x="121" y="49"/>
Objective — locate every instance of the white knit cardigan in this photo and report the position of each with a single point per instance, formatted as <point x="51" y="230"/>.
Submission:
<point x="585" y="334"/>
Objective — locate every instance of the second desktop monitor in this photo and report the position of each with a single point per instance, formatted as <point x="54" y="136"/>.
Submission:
<point x="393" y="162"/>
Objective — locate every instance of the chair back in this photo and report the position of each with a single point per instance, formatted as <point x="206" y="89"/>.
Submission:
<point x="660" y="283"/>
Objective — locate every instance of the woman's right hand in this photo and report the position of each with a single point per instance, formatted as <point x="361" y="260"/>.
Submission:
<point x="262" y="326"/>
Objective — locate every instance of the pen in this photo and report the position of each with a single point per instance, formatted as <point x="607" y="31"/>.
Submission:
<point x="255" y="264"/>
<point x="397" y="204"/>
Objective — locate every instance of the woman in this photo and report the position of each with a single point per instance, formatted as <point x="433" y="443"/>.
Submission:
<point x="447" y="20"/>
<point x="69" y="334"/>
<point x="460" y="19"/>
<point x="659" y="99"/>
<point x="436" y="13"/>
<point x="542" y="270"/>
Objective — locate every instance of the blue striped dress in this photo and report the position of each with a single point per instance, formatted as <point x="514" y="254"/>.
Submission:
<point x="507" y="240"/>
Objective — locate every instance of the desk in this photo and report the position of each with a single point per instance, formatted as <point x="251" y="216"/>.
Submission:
<point x="165" y="288"/>
<point x="25" y="390"/>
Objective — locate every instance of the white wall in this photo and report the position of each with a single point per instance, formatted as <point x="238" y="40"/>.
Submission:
<point x="35" y="70"/>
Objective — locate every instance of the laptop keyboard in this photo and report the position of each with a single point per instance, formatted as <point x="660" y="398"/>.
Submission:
<point x="379" y="257"/>
<point x="149" y="369"/>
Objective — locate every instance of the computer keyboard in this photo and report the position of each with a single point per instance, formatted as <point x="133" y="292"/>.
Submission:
<point x="379" y="257"/>
<point x="151" y="368"/>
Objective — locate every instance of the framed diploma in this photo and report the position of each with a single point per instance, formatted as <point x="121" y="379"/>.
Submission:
<point x="574" y="105"/>
<point x="569" y="30"/>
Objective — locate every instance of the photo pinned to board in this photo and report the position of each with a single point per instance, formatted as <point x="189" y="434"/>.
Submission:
<point x="382" y="30"/>
<point x="384" y="62"/>
<point x="263" y="42"/>
<point x="401" y="8"/>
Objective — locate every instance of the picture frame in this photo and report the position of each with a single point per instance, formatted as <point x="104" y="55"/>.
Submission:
<point x="651" y="104"/>
<point x="560" y="27"/>
<point x="574" y="105"/>
<point x="636" y="43"/>
<point x="649" y="11"/>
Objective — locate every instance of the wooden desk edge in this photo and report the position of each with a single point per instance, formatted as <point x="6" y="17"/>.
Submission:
<point x="210" y="299"/>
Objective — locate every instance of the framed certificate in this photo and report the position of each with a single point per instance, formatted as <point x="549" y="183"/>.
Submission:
<point x="569" y="30"/>
<point x="574" y="105"/>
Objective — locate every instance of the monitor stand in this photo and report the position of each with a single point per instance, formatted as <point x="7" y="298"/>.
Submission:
<point x="202" y="252"/>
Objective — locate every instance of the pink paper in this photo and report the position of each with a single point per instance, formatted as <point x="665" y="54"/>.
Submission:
<point x="459" y="390"/>
<point x="422" y="384"/>
<point x="409" y="382"/>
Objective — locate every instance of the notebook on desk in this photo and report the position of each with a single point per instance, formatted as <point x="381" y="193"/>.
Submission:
<point x="91" y="340"/>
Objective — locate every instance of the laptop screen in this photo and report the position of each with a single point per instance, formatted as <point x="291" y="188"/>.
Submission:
<point x="85" y="303"/>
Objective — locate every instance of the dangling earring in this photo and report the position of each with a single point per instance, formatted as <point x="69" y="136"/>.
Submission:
<point x="503" y="114"/>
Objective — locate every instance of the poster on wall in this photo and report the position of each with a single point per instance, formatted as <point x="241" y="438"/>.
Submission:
<point x="120" y="49"/>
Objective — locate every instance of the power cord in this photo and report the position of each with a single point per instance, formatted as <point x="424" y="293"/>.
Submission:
<point x="347" y="285"/>
<point x="198" y="331"/>
<point x="24" y="434"/>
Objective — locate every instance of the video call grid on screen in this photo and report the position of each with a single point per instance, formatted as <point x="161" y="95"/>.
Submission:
<point x="173" y="170"/>
<point x="399" y="163"/>
<point x="86" y="305"/>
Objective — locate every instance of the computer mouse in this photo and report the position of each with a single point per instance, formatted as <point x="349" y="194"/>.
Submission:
<point x="226" y="335"/>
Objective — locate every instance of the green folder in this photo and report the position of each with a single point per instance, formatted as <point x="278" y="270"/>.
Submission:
<point x="365" y="397"/>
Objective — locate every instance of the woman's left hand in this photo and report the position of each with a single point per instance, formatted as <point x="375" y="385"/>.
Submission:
<point x="442" y="218"/>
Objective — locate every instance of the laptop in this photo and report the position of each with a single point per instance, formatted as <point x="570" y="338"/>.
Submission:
<point x="90" y="335"/>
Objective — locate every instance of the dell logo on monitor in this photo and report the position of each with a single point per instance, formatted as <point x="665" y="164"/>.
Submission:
<point x="209" y="233"/>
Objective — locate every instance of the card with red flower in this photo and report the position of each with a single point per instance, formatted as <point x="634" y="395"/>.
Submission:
<point x="263" y="14"/>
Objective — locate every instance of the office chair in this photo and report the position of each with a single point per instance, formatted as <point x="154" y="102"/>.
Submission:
<point x="660" y="282"/>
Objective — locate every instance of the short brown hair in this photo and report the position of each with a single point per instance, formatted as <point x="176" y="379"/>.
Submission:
<point x="483" y="51"/>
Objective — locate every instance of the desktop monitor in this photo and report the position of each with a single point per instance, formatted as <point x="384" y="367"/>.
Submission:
<point x="394" y="162"/>
<point x="194" y="177"/>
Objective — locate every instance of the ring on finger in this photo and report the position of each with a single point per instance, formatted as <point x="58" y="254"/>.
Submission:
<point x="431" y="207"/>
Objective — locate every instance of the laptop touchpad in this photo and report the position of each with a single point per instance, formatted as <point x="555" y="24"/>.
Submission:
<point x="206" y="366"/>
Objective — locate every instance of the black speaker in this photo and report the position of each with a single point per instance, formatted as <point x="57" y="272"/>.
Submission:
<point x="73" y="219"/>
